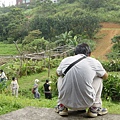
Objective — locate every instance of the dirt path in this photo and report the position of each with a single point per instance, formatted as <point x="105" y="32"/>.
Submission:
<point x="104" y="45"/>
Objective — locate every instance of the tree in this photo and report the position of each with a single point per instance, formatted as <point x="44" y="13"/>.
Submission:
<point x="92" y="4"/>
<point x="17" y="27"/>
<point x="3" y="27"/>
<point x="13" y="26"/>
<point x="37" y="45"/>
<point x="115" y="53"/>
<point x="64" y="38"/>
<point x="116" y="46"/>
<point x="86" y="25"/>
<point x="33" y="42"/>
<point x="50" y="27"/>
<point x="31" y="36"/>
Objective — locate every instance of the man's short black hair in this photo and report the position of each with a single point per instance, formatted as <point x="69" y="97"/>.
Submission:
<point x="82" y="49"/>
<point x="47" y="81"/>
<point x="13" y="78"/>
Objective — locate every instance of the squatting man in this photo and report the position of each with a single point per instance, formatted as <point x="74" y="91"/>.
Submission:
<point x="81" y="87"/>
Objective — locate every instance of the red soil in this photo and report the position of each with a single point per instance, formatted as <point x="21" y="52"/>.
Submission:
<point x="104" y="44"/>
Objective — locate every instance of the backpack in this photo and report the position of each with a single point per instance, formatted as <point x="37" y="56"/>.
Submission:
<point x="33" y="90"/>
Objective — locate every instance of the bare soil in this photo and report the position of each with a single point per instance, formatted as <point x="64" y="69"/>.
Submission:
<point x="104" y="44"/>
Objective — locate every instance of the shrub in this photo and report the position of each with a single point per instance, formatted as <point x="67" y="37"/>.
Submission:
<point x="111" y="89"/>
<point x="3" y="86"/>
<point x="114" y="65"/>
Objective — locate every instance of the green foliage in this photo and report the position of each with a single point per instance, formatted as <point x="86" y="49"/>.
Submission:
<point x="116" y="40"/>
<point x="111" y="89"/>
<point x="113" y="65"/>
<point x="31" y="36"/>
<point x="3" y="85"/>
<point x="9" y="103"/>
<point x="36" y="45"/>
<point x="68" y="38"/>
<point x="28" y="67"/>
<point x="3" y="24"/>
<point x="92" y="4"/>
<point x="12" y="105"/>
<point x="54" y="85"/>
<point x="13" y="25"/>
<point x="53" y="26"/>
<point x="54" y="19"/>
<point x="64" y="38"/>
<point x="115" y="54"/>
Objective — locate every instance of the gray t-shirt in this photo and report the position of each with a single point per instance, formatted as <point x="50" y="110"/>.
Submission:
<point x="76" y="90"/>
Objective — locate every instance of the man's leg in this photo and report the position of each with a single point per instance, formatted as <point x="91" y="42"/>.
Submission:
<point x="60" y="108"/>
<point x="59" y="84"/>
<point x="13" y="92"/>
<point x="98" y="86"/>
<point x="16" y="92"/>
<point x="96" y="109"/>
<point x="35" y="95"/>
<point x="38" y="95"/>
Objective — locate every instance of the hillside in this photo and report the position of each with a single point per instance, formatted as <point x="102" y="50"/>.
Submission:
<point x="104" y="44"/>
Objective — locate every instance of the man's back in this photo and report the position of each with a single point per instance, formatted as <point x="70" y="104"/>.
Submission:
<point x="46" y="87"/>
<point x="81" y="86"/>
<point x="76" y="90"/>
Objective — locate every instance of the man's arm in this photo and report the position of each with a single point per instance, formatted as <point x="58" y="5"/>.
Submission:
<point x="57" y="74"/>
<point x="105" y="76"/>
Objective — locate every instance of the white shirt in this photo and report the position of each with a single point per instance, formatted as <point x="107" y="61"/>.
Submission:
<point x="3" y="75"/>
<point x="76" y="90"/>
<point x="14" y="84"/>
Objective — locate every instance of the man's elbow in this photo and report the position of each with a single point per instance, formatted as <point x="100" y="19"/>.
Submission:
<point x="57" y="74"/>
<point x="105" y="76"/>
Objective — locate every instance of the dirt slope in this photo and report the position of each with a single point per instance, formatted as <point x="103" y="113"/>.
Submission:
<point x="104" y="45"/>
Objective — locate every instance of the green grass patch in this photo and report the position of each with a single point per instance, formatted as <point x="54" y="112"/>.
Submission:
<point x="28" y="81"/>
<point x="8" y="49"/>
<point x="9" y="103"/>
<point x="113" y="107"/>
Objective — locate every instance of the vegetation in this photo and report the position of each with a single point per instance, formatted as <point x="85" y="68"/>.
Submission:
<point x="115" y="54"/>
<point x="29" y="67"/>
<point x="43" y="26"/>
<point x="8" y="49"/>
<point x="9" y="103"/>
<point x="111" y="88"/>
<point x="113" y="65"/>
<point x="51" y="19"/>
<point x="48" y="20"/>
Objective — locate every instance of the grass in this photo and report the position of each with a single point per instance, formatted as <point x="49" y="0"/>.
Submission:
<point x="113" y="107"/>
<point x="9" y="103"/>
<point x="8" y="49"/>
